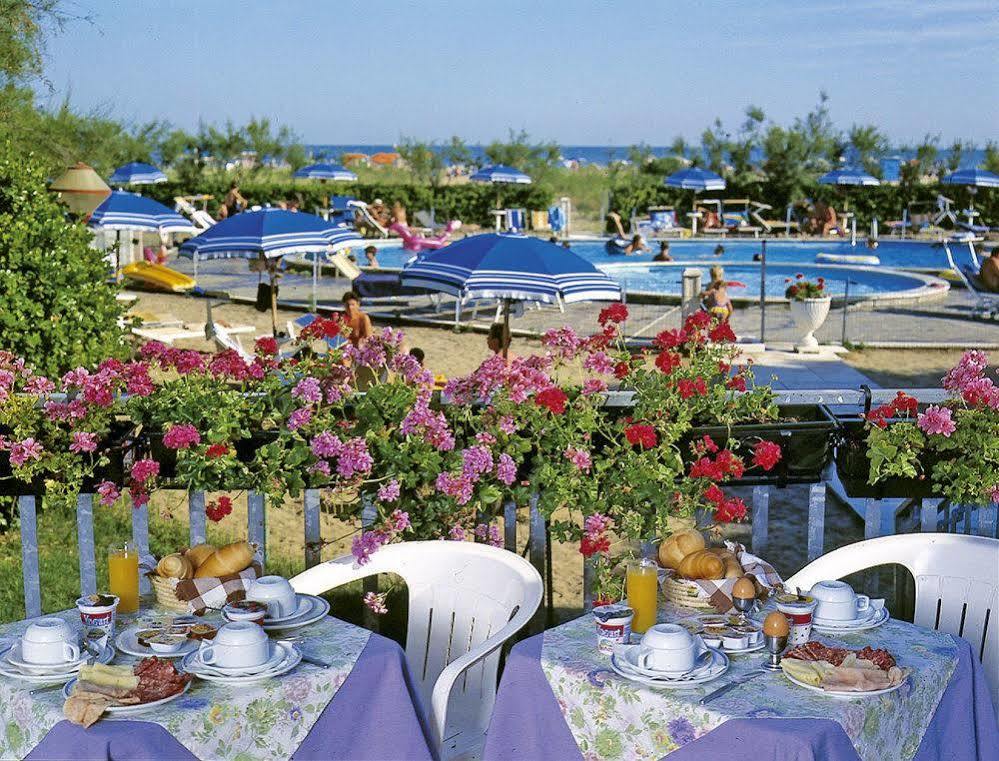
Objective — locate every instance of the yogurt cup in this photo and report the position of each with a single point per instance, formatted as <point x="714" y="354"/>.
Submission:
<point x="98" y="613"/>
<point x="613" y="624"/>
<point x="799" y="610"/>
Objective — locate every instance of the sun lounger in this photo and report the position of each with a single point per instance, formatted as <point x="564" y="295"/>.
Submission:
<point x="986" y="302"/>
<point x="662" y="221"/>
<point x="344" y="265"/>
<point x="168" y="334"/>
<point x="539" y="220"/>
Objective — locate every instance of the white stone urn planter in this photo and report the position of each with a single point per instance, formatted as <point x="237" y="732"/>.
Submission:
<point x="808" y="315"/>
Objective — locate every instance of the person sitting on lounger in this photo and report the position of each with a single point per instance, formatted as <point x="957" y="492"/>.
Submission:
<point x="715" y="297"/>
<point x="663" y="255"/>
<point x="989" y="273"/>
<point x="358" y="321"/>
<point x="823" y="218"/>
<point x="709" y="219"/>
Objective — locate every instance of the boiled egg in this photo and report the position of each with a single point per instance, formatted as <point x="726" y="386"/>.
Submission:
<point x="744" y="589"/>
<point x="775" y="625"/>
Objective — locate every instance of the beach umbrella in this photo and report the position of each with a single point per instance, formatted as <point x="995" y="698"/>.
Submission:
<point x="498" y="173"/>
<point x="81" y="189"/>
<point x="848" y="177"/>
<point x="129" y="211"/>
<point x="270" y="234"/>
<point x="510" y="267"/>
<point x="974" y="179"/>
<point x="137" y="173"/>
<point x="696" y="179"/>
<point x="333" y="172"/>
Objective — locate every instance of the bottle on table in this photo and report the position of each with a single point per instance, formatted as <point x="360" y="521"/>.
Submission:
<point x="642" y="586"/>
<point x="123" y="575"/>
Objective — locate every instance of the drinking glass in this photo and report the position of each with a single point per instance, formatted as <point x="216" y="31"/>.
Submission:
<point x="123" y="575"/>
<point x="642" y="585"/>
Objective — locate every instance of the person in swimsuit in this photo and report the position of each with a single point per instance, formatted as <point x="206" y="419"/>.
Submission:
<point x="371" y="254"/>
<point x="989" y="272"/>
<point x="636" y="246"/>
<point x="715" y="297"/>
<point x="234" y="201"/>
<point x="663" y="255"/>
<point x="359" y="322"/>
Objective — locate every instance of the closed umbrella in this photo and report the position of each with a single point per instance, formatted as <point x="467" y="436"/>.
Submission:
<point x="333" y="172"/>
<point x="137" y="173"/>
<point x="696" y="179"/>
<point x="129" y="211"/>
<point x="81" y="189"/>
<point x="510" y="267"/>
<point x="271" y="234"/>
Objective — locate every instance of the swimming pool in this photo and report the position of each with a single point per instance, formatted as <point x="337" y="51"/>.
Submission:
<point x="865" y="282"/>
<point x="897" y="254"/>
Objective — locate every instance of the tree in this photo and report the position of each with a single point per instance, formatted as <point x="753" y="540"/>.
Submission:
<point x="869" y="144"/>
<point x="456" y="152"/>
<point x="520" y="153"/>
<point x="957" y="152"/>
<point x="423" y="160"/>
<point x="59" y="312"/>
<point x="991" y="160"/>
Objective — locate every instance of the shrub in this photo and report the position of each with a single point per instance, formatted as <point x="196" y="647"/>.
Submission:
<point x="58" y="310"/>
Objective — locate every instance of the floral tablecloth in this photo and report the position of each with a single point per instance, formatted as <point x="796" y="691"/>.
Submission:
<point x="211" y="720"/>
<point x="612" y="717"/>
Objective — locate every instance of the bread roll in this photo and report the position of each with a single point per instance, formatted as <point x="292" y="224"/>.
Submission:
<point x="702" y="564"/>
<point x="227" y="560"/>
<point x="733" y="568"/>
<point x="199" y="554"/>
<point x="175" y="566"/>
<point x="678" y="546"/>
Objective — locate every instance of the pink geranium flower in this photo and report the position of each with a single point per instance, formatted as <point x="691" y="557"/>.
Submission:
<point x="936" y="420"/>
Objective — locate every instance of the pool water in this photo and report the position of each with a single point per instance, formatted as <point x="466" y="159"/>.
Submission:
<point x="898" y="254"/>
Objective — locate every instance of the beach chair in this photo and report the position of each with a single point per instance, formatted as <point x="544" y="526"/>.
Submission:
<point x="344" y="266"/>
<point x="785" y="226"/>
<point x="736" y="217"/>
<point x="955" y="577"/>
<point x="986" y="302"/>
<point x="341" y="211"/>
<point x="465" y="601"/>
<point x="201" y="218"/>
<point x="662" y="221"/>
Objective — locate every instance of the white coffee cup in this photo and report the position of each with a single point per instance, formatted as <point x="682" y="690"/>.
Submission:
<point x="240" y="644"/>
<point x="50" y="641"/>
<point x="276" y="593"/>
<point x="838" y="602"/>
<point x="667" y="648"/>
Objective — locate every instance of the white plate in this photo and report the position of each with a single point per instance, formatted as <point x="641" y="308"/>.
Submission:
<point x="14" y="658"/>
<point x="292" y="657"/>
<point x="719" y="666"/>
<point x="627" y="655"/>
<point x="9" y="670"/>
<point x="303" y="608"/>
<point x="846" y="627"/>
<point x="319" y="609"/>
<point x="130" y="710"/>
<point x="843" y="693"/>
<point x="128" y="642"/>
<point x="194" y="664"/>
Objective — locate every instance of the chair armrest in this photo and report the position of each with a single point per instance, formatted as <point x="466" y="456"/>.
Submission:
<point x="335" y="573"/>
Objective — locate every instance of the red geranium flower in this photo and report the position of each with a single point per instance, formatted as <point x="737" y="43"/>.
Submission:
<point x="670" y="339"/>
<point x="266" y="346"/>
<point x="714" y="494"/>
<point x="667" y="361"/>
<point x="641" y="435"/>
<point x="722" y="333"/>
<point x="621" y="370"/>
<point x="766" y="454"/>
<point x="696" y="321"/>
<point x="617" y="312"/>
<point x="733" y="509"/>
<point x="553" y="398"/>
<point x="903" y="404"/>
<point x="217" y="510"/>
<point x="216" y="450"/>
<point x="590" y="546"/>
<point x="321" y="327"/>
<point x="689" y="388"/>
<point x="736" y="383"/>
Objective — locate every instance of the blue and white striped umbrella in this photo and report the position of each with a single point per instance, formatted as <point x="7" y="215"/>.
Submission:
<point x="270" y="232"/>
<point x="130" y="211"/>
<point x="516" y="267"/>
<point x="848" y="177"/>
<point x="326" y="172"/>
<point x="696" y="179"/>
<point x="137" y="173"/>
<point x="501" y="174"/>
<point x="978" y="178"/>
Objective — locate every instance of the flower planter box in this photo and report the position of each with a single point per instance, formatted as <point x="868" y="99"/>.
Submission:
<point x="853" y="468"/>
<point x="804" y="434"/>
<point x="151" y="445"/>
<point x="117" y="447"/>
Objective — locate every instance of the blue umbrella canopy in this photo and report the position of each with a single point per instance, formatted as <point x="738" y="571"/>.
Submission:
<point x="695" y="178"/>
<point x="501" y="174"/>
<point x="137" y="173"/>
<point x="848" y="177"/>
<point x="504" y="266"/>
<point x="978" y="178"/>
<point x="270" y="232"/>
<point x="129" y="211"/>
<point x="326" y="172"/>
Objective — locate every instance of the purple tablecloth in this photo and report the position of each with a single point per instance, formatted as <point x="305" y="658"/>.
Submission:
<point x="527" y="723"/>
<point x="375" y="715"/>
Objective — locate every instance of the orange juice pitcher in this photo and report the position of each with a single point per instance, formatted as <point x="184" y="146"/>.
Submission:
<point x="123" y="576"/>
<point x="642" y="586"/>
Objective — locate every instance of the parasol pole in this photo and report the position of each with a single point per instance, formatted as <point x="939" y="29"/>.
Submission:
<point x="506" y="328"/>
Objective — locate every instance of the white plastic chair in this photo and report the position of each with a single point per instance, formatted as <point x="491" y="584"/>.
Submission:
<point x="956" y="584"/>
<point x="465" y="601"/>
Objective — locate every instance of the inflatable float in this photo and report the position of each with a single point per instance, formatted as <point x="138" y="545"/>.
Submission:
<point x="847" y="259"/>
<point x="416" y="243"/>
<point x="157" y="276"/>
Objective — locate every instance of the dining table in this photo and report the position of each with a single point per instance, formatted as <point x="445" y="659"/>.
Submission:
<point x="353" y="698"/>
<point x="560" y="699"/>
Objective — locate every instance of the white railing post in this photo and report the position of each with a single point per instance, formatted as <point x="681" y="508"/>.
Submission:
<point x="816" y="519"/>
<point x="29" y="556"/>
<point x="196" y="512"/>
<point x="510" y="525"/>
<point x="537" y="552"/>
<point x="313" y="536"/>
<point x="761" y="518"/>
<point x="85" y="543"/>
<point x="256" y="523"/>
<point x="140" y="537"/>
<point x="927" y="515"/>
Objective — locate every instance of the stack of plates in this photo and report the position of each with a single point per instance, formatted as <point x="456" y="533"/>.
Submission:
<point x="310" y="609"/>
<point x="283" y="658"/>
<point x="871" y="618"/>
<point x="624" y="661"/>
<point x="12" y="664"/>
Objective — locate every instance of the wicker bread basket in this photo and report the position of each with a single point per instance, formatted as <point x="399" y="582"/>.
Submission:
<point x="166" y="595"/>
<point x="687" y="594"/>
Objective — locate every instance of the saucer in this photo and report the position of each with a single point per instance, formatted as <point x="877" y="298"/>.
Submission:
<point x="290" y="658"/>
<point x="871" y="621"/>
<point x="47" y="677"/>
<point x="194" y="663"/>
<point x="15" y="658"/>
<point x="318" y="609"/>
<point x="628" y="655"/>
<point x="718" y="666"/>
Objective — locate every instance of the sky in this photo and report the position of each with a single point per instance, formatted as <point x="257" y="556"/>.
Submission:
<point x="574" y="71"/>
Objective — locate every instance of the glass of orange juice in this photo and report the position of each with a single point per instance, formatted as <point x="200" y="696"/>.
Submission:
<point x="123" y="575"/>
<point x="642" y="586"/>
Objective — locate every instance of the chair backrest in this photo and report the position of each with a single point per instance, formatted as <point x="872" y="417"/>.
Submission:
<point x="464" y="599"/>
<point x="346" y="267"/>
<point x="957" y="590"/>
